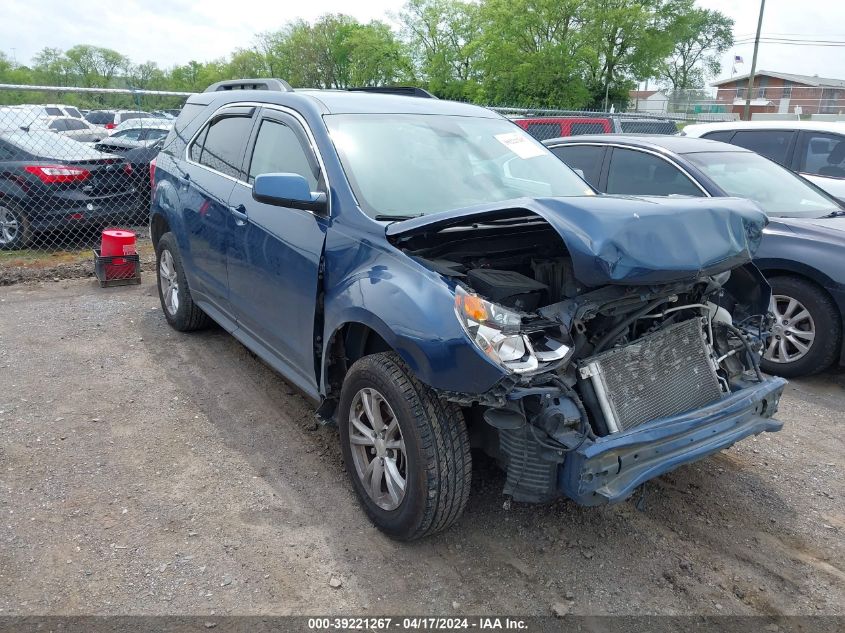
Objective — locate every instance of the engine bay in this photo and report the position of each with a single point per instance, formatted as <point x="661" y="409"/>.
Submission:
<point x="625" y="354"/>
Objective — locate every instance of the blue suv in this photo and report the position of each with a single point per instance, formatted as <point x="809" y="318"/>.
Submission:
<point x="436" y="280"/>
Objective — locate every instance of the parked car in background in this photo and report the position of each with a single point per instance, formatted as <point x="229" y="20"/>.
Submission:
<point x="133" y="134"/>
<point x="53" y="183"/>
<point x="49" y="109"/>
<point x="140" y="159"/>
<point x="435" y="278"/>
<point x="110" y="119"/>
<point x="77" y="129"/>
<point x="814" y="149"/>
<point x="543" y="128"/>
<point x="803" y="250"/>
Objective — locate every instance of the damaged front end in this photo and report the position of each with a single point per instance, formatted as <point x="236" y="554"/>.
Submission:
<point x="629" y="334"/>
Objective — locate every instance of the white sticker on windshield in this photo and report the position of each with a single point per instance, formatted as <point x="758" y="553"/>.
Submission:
<point x="519" y="145"/>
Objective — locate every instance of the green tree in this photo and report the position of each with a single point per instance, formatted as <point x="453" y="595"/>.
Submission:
<point x="444" y="39"/>
<point x="700" y="37"/>
<point x="532" y="52"/>
<point x="94" y="66"/>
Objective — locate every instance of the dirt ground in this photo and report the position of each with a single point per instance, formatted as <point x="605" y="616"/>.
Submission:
<point x="143" y="471"/>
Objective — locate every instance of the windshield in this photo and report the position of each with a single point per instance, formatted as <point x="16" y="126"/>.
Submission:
<point x="402" y="165"/>
<point x="777" y="190"/>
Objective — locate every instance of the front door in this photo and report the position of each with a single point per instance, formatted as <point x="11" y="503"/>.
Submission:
<point x="275" y="253"/>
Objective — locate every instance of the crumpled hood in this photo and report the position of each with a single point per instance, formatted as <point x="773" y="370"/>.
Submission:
<point x="622" y="240"/>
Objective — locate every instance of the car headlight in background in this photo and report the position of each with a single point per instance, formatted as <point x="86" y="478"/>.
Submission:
<point x="495" y="330"/>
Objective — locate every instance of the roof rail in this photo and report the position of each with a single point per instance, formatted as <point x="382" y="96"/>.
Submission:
<point x="278" y="85"/>
<point x="407" y="91"/>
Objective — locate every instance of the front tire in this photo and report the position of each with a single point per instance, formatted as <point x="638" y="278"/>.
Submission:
<point x="807" y="333"/>
<point x="179" y="308"/>
<point x="406" y="450"/>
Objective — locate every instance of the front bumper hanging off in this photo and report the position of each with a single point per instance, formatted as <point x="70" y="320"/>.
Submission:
<point x="609" y="469"/>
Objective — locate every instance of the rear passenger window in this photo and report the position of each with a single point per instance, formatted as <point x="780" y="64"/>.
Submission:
<point x="639" y="174"/>
<point x="772" y="144"/>
<point x="724" y="136"/>
<point x="59" y="125"/>
<point x="279" y="150"/>
<point x="587" y="158"/>
<point x="223" y="149"/>
<point x="543" y="131"/>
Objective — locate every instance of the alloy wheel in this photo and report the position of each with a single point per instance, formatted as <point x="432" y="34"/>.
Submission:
<point x="9" y="226"/>
<point x="793" y="331"/>
<point x="169" y="282"/>
<point x="378" y="449"/>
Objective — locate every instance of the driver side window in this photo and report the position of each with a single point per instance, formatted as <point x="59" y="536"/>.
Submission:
<point x="278" y="149"/>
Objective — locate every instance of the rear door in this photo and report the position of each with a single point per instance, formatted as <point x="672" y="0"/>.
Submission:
<point x="275" y="252"/>
<point x="212" y="168"/>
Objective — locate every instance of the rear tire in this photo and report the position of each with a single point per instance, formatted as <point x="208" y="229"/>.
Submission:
<point x="179" y="308"/>
<point x="806" y="317"/>
<point x="435" y="461"/>
<point x="15" y="233"/>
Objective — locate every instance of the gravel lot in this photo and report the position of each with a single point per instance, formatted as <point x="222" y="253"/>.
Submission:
<point x="144" y="471"/>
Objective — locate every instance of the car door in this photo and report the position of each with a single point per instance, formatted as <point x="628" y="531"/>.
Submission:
<point x="820" y="158"/>
<point x="638" y="172"/>
<point x="212" y="168"/>
<point x="275" y="254"/>
<point x="586" y="160"/>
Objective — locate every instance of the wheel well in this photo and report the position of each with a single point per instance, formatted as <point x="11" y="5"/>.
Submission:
<point x="350" y="342"/>
<point x="158" y="227"/>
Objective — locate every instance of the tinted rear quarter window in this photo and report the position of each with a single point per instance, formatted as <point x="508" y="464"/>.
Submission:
<point x="76" y="114"/>
<point x="543" y="131"/>
<point x="587" y="158"/>
<point x="53" y="111"/>
<point x="224" y="145"/>
<point x="772" y="144"/>
<point x="722" y="135"/>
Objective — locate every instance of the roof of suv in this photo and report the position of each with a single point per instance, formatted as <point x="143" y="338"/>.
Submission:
<point x="347" y="102"/>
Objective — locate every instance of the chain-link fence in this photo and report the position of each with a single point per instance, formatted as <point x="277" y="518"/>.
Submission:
<point x="75" y="161"/>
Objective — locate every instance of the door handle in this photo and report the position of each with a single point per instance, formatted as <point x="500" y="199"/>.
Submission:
<point x="240" y="214"/>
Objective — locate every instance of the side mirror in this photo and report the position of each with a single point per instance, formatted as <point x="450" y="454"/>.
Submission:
<point x="287" y="190"/>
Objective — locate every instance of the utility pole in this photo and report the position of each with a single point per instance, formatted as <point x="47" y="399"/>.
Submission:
<point x="747" y="113"/>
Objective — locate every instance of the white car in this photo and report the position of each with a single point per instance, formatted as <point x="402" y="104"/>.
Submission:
<point x="814" y="149"/>
<point x="77" y="129"/>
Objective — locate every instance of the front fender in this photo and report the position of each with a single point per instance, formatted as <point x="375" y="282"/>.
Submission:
<point x="412" y="309"/>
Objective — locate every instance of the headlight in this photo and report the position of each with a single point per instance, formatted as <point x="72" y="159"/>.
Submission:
<point x="495" y="330"/>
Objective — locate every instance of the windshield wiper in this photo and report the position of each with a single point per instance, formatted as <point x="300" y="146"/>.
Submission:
<point x="384" y="217"/>
<point x="833" y="214"/>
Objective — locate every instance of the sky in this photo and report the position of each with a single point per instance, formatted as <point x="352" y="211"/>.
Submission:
<point x="172" y="32"/>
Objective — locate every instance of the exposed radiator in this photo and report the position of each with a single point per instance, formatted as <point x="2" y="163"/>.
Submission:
<point x="659" y="375"/>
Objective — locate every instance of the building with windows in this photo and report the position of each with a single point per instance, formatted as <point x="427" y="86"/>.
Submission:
<point x="783" y="93"/>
